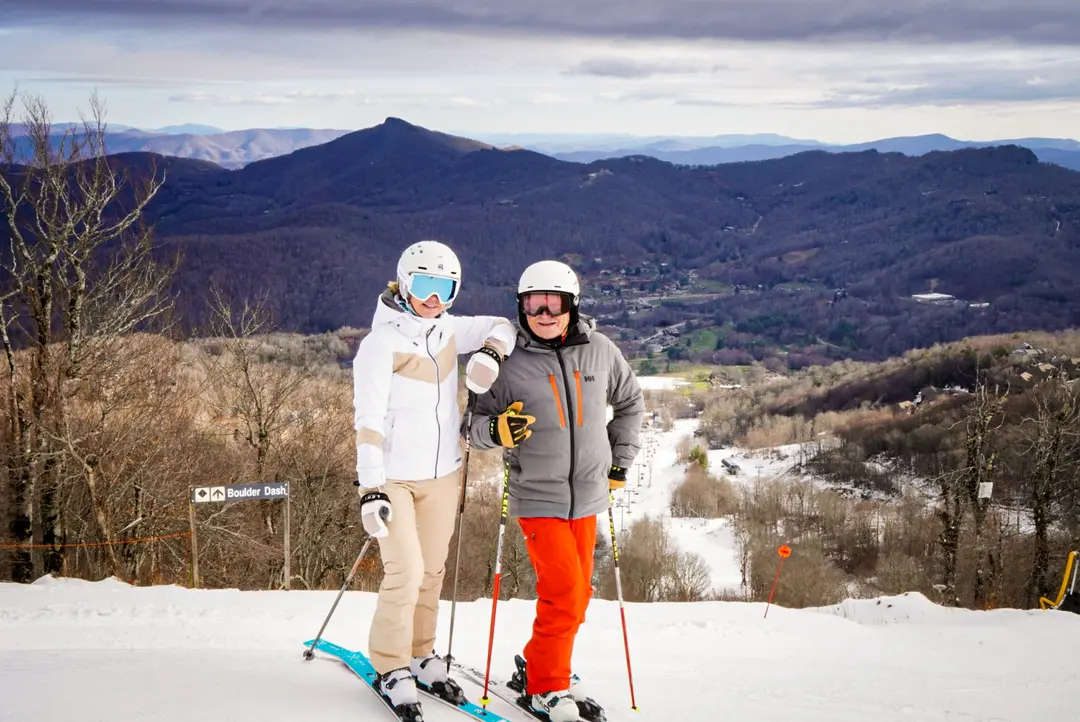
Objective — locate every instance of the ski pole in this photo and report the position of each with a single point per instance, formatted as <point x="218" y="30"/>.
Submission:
<point x="309" y="653"/>
<point x="460" y="516"/>
<point x="498" y="573"/>
<point x="618" y="592"/>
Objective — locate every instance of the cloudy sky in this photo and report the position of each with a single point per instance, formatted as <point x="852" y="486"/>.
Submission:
<point x="832" y="70"/>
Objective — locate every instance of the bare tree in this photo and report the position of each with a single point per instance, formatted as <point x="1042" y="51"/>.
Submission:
<point x="702" y="495"/>
<point x="257" y="394"/>
<point x="317" y="459"/>
<point x="983" y="419"/>
<point x="480" y="530"/>
<point x="132" y="445"/>
<point x="78" y="273"/>
<point x="962" y="489"/>
<point x="1052" y="446"/>
<point x="688" y="578"/>
<point x="647" y="555"/>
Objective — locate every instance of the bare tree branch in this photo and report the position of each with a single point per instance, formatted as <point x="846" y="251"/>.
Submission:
<point x="68" y="207"/>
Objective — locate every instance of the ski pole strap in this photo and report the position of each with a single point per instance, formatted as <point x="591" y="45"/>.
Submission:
<point x="488" y="351"/>
<point x="374" y="496"/>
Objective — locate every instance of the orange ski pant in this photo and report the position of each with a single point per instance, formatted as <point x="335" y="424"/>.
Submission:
<point x="561" y="551"/>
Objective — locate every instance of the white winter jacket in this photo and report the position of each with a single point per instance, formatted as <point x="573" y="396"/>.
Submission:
<point x="405" y="384"/>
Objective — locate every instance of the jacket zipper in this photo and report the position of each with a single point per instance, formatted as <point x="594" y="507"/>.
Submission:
<point x="438" y="400"/>
<point x="570" y="409"/>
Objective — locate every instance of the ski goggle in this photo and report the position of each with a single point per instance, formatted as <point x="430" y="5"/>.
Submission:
<point x="536" y="302"/>
<point x="424" y="286"/>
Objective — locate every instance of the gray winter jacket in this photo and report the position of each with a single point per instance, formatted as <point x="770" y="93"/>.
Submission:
<point x="562" y="469"/>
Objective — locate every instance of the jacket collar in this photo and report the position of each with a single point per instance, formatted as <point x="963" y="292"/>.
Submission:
<point x="389" y="312"/>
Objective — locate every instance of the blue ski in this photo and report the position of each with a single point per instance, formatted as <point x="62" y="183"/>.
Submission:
<point x="361" y="665"/>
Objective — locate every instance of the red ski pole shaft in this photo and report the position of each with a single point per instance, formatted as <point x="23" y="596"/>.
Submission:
<point x="618" y="592"/>
<point x="491" y="638"/>
<point x="504" y="512"/>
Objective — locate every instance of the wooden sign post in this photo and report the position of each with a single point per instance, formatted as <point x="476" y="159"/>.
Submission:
<point x="241" y="492"/>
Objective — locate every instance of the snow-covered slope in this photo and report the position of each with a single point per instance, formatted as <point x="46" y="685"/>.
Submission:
<point x="650" y="482"/>
<point x="75" y="651"/>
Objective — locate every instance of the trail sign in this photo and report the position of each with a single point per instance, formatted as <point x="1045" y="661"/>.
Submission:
<point x="240" y="492"/>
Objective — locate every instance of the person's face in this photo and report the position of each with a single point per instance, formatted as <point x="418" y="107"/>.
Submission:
<point x="430" y="308"/>
<point x="426" y="294"/>
<point x="548" y="314"/>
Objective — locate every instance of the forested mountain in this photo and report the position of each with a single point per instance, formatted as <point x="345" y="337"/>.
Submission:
<point x="811" y="256"/>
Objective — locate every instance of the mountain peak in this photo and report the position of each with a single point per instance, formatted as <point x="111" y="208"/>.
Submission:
<point x="392" y="127"/>
<point x="394" y="122"/>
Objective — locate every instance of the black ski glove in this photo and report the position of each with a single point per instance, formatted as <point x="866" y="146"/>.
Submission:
<point x="511" y="427"/>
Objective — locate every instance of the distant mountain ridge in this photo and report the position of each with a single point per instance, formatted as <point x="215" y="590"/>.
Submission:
<point x="188" y="128"/>
<point x="1061" y="151"/>
<point x="228" y="149"/>
<point x="238" y="148"/>
<point x="326" y="223"/>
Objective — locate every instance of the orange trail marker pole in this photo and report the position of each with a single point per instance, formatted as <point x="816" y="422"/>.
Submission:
<point x="784" y="552"/>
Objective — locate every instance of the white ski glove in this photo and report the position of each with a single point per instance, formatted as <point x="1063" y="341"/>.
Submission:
<point x="482" y="370"/>
<point x="375" y="511"/>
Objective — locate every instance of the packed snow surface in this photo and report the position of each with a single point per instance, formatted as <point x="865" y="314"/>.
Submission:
<point x="74" y="651"/>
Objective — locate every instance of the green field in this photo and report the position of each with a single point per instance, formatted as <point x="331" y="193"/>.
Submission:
<point x="704" y="340"/>
<point x="696" y="374"/>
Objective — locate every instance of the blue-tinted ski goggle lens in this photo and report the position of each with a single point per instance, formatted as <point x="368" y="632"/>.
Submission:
<point x="423" y="286"/>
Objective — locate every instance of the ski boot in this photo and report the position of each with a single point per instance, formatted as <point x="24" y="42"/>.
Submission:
<point x="431" y="677"/>
<point x="556" y="706"/>
<point x="398" y="688"/>
<point x="588" y="709"/>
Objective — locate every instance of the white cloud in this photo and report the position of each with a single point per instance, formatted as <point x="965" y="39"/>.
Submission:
<point x="466" y="102"/>
<point x="282" y="98"/>
<point x="234" y="77"/>
<point x="629" y="68"/>
<point x="549" y="98"/>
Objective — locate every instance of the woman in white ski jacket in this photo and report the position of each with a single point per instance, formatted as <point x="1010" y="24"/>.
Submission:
<point x="408" y="457"/>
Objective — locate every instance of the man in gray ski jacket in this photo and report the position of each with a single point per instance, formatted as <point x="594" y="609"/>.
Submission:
<point x="548" y="409"/>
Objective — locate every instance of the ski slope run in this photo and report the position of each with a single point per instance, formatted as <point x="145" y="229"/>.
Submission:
<point x="73" y="651"/>
<point x="657" y="472"/>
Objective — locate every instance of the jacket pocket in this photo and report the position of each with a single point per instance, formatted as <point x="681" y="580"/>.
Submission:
<point x="558" y="401"/>
<point x="578" y="406"/>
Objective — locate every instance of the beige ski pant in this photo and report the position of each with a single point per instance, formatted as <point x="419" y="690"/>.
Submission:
<point x="414" y="562"/>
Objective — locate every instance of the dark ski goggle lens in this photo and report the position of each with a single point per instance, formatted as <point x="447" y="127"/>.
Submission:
<point x="556" y="304"/>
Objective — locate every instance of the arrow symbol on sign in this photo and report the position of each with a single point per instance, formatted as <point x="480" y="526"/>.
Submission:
<point x="218" y="493"/>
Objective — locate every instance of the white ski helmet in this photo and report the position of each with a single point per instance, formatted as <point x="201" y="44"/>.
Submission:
<point x="429" y="258"/>
<point x="550" y="276"/>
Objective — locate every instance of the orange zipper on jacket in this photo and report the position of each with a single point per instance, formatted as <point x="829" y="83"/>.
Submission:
<point x="577" y="381"/>
<point x="558" y="402"/>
